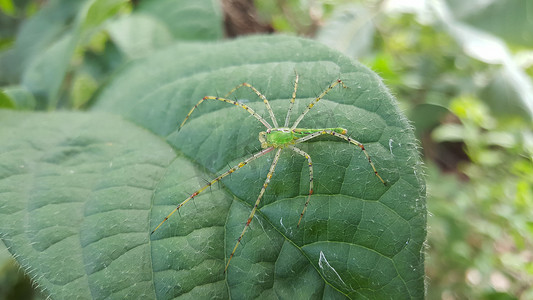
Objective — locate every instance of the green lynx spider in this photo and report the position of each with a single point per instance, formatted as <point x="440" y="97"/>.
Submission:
<point x="279" y="138"/>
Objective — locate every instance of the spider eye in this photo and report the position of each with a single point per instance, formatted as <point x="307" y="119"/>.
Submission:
<point x="262" y="136"/>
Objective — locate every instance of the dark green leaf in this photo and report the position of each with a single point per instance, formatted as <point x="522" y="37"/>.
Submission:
<point x="80" y="193"/>
<point x="360" y="237"/>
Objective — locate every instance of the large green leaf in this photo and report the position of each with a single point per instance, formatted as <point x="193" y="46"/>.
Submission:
<point x="88" y="188"/>
<point x="351" y="212"/>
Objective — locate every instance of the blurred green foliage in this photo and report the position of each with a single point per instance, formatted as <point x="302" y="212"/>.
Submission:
<point x="462" y="71"/>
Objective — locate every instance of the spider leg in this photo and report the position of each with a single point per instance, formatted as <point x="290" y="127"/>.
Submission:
<point x="210" y="183"/>
<point x="267" y="181"/>
<point x="292" y="101"/>
<point x="310" y="105"/>
<point x="258" y="93"/>
<point x="310" y="164"/>
<point x="346" y="138"/>
<point x="247" y="108"/>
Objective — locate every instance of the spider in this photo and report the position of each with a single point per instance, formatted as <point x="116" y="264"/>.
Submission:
<point x="275" y="138"/>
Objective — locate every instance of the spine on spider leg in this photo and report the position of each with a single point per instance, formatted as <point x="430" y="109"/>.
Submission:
<point x="191" y="111"/>
<point x="352" y="141"/>
<point x="346" y="138"/>
<point x="310" y="165"/>
<point x="310" y="105"/>
<point x="265" y="101"/>
<point x="287" y="118"/>
<point x="245" y="107"/>
<point x="217" y="179"/>
<point x="267" y="181"/>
